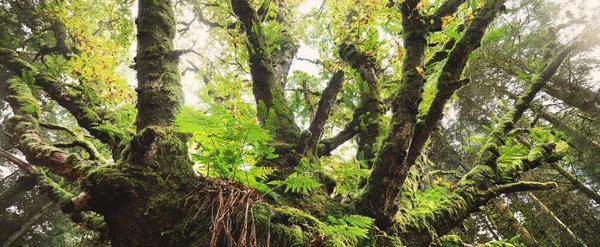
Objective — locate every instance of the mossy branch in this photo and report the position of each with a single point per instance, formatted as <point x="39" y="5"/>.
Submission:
<point x="488" y="179"/>
<point x="368" y="114"/>
<point x="69" y="203"/>
<point x="59" y="127"/>
<point x="405" y="138"/>
<point x="269" y="69"/>
<point x="25" y="132"/>
<point x="489" y="152"/>
<point x="383" y="185"/>
<point x="449" y="80"/>
<point x="518" y="187"/>
<point x="85" y="111"/>
<point x="78" y="142"/>
<point x="86" y="145"/>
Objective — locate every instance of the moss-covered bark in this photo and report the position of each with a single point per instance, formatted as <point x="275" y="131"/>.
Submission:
<point x="150" y="196"/>
<point x="269" y="71"/>
<point x="24" y="128"/>
<point x="89" y="115"/>
<point x="368" y="113"/>
<point x="383" y="185"/>
<point x="159" y="89"/>
<point x="507" y="215"/>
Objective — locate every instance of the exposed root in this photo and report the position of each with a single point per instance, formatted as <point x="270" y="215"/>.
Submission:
<point x="229" y="204"/>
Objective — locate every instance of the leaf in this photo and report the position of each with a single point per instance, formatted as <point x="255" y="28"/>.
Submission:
<point x="358" y="220"/>
<point x="420" y="70"/>
<point x="298" y="183"/>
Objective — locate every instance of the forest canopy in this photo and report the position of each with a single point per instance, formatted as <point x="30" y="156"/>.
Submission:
<point x="299" y="123"/>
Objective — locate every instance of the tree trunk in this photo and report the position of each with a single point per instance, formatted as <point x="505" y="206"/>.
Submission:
<point x="23" y="228"/>
<point x="24" y="183"/>
<point x="514" y="223"/>
<point x="578" y="184"/>
<point x="565" y="228"/>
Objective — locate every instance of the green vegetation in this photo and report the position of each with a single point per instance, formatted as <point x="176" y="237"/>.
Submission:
<point x="379" y="123"/>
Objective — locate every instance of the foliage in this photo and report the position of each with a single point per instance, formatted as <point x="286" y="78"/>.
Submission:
<point x="226" y="145"/>
<point x="351" y="226"/>
<point x="233" y="62"/>
<point x="298" y="183"/>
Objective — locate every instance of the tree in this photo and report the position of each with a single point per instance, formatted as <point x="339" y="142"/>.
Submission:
<point x="147" y="171"/>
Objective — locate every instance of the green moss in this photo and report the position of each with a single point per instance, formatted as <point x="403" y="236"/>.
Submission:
<point x="427" y="217"/>
<point x="477" y="178"/>
<point x="163" y="150"/>
<point x="450" y="241"/>
<point x="109" y="180"/>
<point x="337" y="241"/>
<point x="22" y="99"/>
<point x="295" y="216"/>
<point x="283" y="235"/>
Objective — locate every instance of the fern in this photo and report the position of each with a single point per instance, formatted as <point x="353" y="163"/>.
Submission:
<point x="352" y="226"/>
<point x="226" y="143"/>
<point x="298" y="183"/>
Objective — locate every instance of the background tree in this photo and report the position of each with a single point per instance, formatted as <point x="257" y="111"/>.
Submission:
<point x="263" y="159"/>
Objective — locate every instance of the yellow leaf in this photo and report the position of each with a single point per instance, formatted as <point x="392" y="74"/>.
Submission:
<point x="420" y="70"/>
<point x="400" y="53"/>
<point x="420" y="5"/>
<point x="446" y="20"/>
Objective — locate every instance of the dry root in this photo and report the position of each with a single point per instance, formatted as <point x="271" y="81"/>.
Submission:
<point x="229" y="204"/>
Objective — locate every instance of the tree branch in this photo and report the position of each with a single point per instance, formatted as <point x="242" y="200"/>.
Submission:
<point x="86" y="145"/>
<point x="489" y="152"/>
<point x="570" y="98"/>
<point x="78" y="142"/>
<point x="575" y="182"/>
<point x="59" y="127"/>
<point x="88" y="114"/>
<point x="55" y="192"/>
<point x="447" y="8"/>
<point x="269" y="69"/>
<point x="367" y="115"/>
<point x="334" y="142"/>
<point x="24" y="128"/>
<point x="308" y="142"/>
<point x="449" y="80"/>
<point x="473" y="189"/>
<point x="518" y="187"/>
<point x="382" y="188"/>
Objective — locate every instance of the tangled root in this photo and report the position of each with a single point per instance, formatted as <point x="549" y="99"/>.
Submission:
<point x="230" y="205"/>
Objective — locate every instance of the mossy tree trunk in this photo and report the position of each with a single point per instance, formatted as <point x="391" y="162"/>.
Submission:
<point x="148" y="195"/>
<point x="576" y="240"/>
<point x="506" y="214"/>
